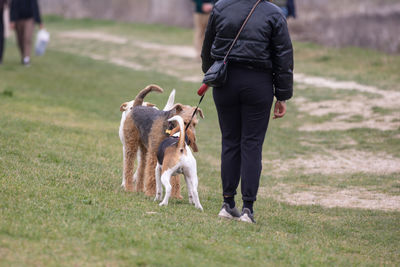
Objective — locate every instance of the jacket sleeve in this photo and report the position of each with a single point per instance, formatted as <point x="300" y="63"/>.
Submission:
<point x="282" y="60"/>
<point x="206" y="58"/>
<point x="36" y="12"/>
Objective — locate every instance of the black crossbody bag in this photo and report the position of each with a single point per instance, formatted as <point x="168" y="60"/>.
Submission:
<point x="217" y="74"/>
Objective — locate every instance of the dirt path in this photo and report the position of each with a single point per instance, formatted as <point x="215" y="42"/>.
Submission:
<point x="338" y="162"/>
<point x="350" y="107"/>
<point x="353" y="197"/>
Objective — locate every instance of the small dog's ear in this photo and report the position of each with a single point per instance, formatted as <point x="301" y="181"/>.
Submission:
<point x="123" y="106"/>
<point x="178" y="108"/>
<point x="200" y="113"/>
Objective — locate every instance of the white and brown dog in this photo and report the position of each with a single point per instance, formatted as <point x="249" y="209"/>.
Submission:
<point x="125" y="108"/>
<point x="175" y="157"/>
<point x="145" y="128"/>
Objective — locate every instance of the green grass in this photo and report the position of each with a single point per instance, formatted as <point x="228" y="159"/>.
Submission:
<point x="61" y="162"/>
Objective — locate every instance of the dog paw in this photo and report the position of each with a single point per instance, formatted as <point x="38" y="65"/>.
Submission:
<point x="163" y="204"/>
<point x="199" y="207"/>
<point x="158" y="197"/>
<point x="129" y="188"/>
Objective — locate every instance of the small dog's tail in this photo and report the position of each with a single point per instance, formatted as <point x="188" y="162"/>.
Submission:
<point x="181" y="141"/>
<point x="139" y="98"/>
<point x="171" y="100"/>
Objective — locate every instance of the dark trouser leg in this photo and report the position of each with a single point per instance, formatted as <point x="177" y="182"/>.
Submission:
<point x="256" y="105"/>
<point x="254" y="126"/>
<point x="230" y="125"/>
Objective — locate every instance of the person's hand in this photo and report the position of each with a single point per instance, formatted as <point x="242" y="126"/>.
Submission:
<point x="207" y="7"/>
<point x="12" y="25"/>
<point x="41" y="26"/>
<point x="279" y="110"/>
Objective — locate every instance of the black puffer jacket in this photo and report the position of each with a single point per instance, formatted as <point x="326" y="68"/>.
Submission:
<point x="264" y="42"/>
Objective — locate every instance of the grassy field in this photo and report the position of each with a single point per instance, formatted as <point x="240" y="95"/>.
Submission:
<point x="61" y="162"/>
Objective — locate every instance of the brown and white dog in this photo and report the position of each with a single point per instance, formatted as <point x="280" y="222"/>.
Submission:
<point x="145" y="128"/>
<point x="175" y="157"/>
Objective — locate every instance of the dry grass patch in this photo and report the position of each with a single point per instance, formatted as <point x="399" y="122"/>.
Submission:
<point x="330" y="197"/>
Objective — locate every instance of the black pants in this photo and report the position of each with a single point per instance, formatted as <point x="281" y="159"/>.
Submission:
<point x="243" y="106"/>
<point x="1" y="35"/>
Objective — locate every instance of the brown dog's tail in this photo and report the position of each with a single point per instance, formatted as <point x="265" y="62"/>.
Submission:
<point x="181" y="141"/>
<point x="139" y="98"/>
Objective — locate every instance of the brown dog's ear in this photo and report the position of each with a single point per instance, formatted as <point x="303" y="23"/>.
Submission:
<point x="192" y="139"/>
<point x="174" y="131"/>
<point x="177" y="108"/>
<point x="200" y="113"/>
<point x="123" y="106"/>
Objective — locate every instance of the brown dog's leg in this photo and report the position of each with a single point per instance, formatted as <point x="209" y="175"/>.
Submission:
<point x="150" y="178"/>
<point x="130" y="156"/>
<point x="176" y="187"/>
<point x="131" y="147"/>
<point x="141" y="169"/>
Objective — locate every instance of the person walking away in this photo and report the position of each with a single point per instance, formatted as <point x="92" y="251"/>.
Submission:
<point x="287" y="6"/>
<point x="3" y="4"/>
<point x="200" y="19"/>
<point x="291" y="9"/>
<point x="23" y="15"/>
<point x="260" y="66"/>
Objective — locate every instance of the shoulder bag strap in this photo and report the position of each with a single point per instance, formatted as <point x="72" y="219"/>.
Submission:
<point x="244" y="24"/>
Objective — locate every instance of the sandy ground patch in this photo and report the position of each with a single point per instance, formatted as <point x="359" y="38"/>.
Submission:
<point x="174" y="60"/>
<point x="354" y="197"/>
<point x="338" y="162"/>
<point x="349" y="107"/>
<point x="92" y="35"/>
<point x="332" y="84"/>
<point x="175" y="50"/>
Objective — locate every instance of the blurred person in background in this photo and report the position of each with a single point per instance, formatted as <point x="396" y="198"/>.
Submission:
<point x="200" y="19"/>
<point x="23" y="15"/>
<point x="287" y="6"/>
<point x="3" y="3"/>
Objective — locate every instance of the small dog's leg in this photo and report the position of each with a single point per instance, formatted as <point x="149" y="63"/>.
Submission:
<point x="159" y="188"/>
<point x="193" y="180"/>
<point x="135" y="176"/>
<point x="189" y="189"/>
<point x="176" y="187"/>
<point x="165" y="177"/>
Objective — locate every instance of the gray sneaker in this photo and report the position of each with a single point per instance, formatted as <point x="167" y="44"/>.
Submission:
<point x="247" y="216"/>
<point x="228" y="213"/>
